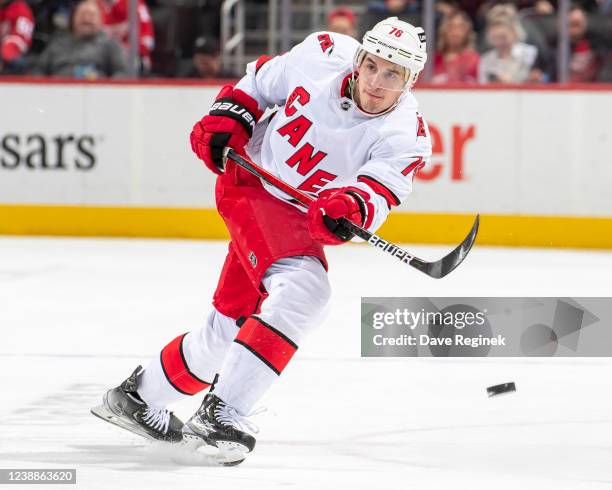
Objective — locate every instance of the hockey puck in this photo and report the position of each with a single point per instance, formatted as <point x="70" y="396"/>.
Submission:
<point x="501" y="389"/>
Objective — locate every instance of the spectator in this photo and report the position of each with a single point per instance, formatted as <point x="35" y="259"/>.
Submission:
<point x="444" y="8"/>
<point x="206" y="61"/>
<point x="543" y="7"/>
<point x="508" y="13"/>
<point x="16" y="27"/>
<point x="585" y="48"/>
<point x="527" y="31"/>
<point x="402" y="7"/>
<point x="456" y="60"/>
<point x="379" y="10"/>
<point x="510" y="61"/>
<point x="116" y="21"/>
<point x="342" y="20"/>
<point x="86" y="52"/>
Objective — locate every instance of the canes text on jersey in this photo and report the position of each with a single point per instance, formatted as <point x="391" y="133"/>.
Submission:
<point x="304" y="157"/>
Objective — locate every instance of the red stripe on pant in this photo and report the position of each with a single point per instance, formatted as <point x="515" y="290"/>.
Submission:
<point x="176" y="370"/>
<point x="272" y="347"/>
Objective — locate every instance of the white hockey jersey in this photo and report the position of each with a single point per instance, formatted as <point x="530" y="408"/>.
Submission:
<point x="319" y="140"/>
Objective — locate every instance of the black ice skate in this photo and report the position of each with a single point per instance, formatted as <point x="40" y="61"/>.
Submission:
<point x="123" y="406"/>
<point x="218" y="425"/>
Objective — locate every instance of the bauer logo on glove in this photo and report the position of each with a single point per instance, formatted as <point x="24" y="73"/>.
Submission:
<point x="229" y="123"/>
<point x="223" y="108"/>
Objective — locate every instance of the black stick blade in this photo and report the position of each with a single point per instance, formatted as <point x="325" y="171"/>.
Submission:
<point x="449" y="263"/>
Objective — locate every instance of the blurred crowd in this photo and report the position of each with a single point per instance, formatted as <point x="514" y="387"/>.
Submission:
<point x="490" y="41"/>
<point x="89" y="39"/>
<point x="503" y="41"/>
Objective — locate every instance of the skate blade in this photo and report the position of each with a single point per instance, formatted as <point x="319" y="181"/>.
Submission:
<point x="104" y="413"/>
<point x="225" y="453"/>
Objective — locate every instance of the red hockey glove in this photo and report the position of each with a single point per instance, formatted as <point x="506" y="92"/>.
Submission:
<point x="230" y="123"/>
<point x="331" y="205"/>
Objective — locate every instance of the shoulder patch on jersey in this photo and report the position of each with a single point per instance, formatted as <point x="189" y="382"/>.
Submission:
<point x="326" y="43"/>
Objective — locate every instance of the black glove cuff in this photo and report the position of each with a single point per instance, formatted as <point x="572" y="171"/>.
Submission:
<point x="228" y="107"/>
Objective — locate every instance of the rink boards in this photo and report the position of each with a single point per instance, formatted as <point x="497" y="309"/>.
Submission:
<point x="114" y="159"/>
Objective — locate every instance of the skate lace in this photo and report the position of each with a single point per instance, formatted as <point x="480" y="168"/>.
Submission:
<point x="229" y="417"/>
<point x="157" y="418"/>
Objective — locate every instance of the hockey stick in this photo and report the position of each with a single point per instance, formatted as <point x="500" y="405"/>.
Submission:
<point x="437" y="269"/>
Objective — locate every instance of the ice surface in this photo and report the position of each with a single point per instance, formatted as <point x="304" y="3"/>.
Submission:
<point x="77" y="315"/>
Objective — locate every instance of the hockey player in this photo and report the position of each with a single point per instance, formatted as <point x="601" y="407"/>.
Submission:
<point x="117" y="26"/>
<point x="348" y="131"/>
